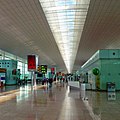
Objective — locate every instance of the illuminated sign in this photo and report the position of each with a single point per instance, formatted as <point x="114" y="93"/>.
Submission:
<point x="31" y="62"/>
<point x="52" y="70"/>
<point x="39" y="68"/>
<point x="44" y="69"/>
<point x="63" y="74"/>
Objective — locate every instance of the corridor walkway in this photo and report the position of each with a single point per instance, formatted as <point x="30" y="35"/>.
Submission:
<point x="57" y="103"/>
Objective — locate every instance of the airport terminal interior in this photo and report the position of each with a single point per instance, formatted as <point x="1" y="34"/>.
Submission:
<point x="59" y="59"/>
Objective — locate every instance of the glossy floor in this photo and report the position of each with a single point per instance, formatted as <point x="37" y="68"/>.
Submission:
<point x="57" y="103"/>
<point x="105" y="105"/>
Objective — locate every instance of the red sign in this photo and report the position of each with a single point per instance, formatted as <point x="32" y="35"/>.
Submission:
<point x="53" y="70"/>
<point x="63" y="74"/>
<point x="31" y="62"/>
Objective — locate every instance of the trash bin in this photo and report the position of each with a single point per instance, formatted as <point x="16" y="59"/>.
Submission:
<point x="110" y="87"/>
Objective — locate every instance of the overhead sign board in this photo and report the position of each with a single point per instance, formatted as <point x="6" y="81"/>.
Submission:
<point x="52" y="70"/>
<point x="44" y="69"/>
<point x="31" y="62"/>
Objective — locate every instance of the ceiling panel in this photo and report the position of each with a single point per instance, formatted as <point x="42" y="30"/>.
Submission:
<point x="24" y="30"/>
<point x="101" y="30"/>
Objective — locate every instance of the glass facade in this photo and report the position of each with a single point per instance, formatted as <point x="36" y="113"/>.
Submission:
<point x="22" y="63"/>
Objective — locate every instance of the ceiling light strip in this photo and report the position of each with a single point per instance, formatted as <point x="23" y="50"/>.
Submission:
<point x="66" y="19"/>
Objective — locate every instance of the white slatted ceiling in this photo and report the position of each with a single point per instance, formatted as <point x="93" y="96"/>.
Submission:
<point x="24" y="30"/>
<point x="101" y="30"/>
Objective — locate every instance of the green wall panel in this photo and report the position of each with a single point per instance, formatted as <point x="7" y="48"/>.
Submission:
<point x="109" y="66"/>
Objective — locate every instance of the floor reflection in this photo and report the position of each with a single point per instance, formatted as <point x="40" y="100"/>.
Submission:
<point x="61" y="104"/>
<point x="8" y="88"/>
<point x="51" y="97"/>
<point x="23" y="93"/>
<point x="105" y="104"/>
<point x="111" y="96"/>
<point x="57" y="103"/>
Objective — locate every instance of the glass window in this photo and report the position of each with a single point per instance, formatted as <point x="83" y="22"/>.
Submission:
<point x="21" y="64"/>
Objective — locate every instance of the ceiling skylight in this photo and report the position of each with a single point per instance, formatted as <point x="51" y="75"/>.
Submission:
<point x="66" y="19"/>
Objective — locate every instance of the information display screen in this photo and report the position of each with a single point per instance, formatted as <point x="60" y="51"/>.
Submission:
<point x="44" y="69"/>
<point x="31" y="62"/>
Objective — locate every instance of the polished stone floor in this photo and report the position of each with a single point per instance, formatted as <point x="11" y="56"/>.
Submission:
<point x="56" y="103"/>
<point x="105" y="105"/>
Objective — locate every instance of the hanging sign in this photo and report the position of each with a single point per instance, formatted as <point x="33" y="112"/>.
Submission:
<point x="44" y="69"/>
<point x="31" y="62"/>
<point x="52" y="70"/>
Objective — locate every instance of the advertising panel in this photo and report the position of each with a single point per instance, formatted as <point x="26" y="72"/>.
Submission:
<point x="31" y="62"/>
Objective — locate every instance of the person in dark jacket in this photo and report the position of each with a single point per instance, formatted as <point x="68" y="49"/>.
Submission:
<point x="50" y="82"/>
